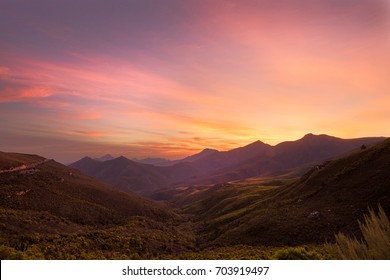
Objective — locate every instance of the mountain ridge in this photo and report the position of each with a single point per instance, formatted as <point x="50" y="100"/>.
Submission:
<point x="212" y="167"/>
<point x="52" y="211"/>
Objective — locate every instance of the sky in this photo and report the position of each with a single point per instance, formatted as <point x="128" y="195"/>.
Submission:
<point x="169" y="78"/>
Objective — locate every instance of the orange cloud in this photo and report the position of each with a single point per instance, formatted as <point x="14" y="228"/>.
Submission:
<point x="4" y="70"/>
<point x="79" y="116"/>
<point x="87" y="133"/>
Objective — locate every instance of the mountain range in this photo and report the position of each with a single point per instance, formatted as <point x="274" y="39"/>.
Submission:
<point x="298" y="193"/>
<point x="213" y="167"/>
<point x="329" y="198"/>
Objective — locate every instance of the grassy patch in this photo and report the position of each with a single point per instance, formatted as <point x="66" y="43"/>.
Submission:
<point x="376" y="239"/>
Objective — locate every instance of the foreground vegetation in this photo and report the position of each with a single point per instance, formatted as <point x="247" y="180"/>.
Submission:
<point x="375" y="244"/>
<point x="142" y="239"/>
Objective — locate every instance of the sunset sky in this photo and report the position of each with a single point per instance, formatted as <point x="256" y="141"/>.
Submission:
<point x="168" y="78"/>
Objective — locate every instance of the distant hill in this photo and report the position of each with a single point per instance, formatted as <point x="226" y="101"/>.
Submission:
<point x="204" y="153"/>
<point x="124" y="174"/>
<point x="154" y="161"/>
<point x="105" y="158"/>
<point x="212" y="167"/>
<point x="259" y="159"/>
<point x="166" y="162"/>
<point x="328" y="199"/>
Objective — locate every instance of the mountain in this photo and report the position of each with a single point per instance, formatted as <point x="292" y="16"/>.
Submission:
<point x="123" y="173"/>
<point x="317" y="147"/>
<point x="165" y="162"/>
<point x="142" y="178"/>
<point x="105" y="158"/>
<point x="154" y="161"/>
<point x="258" y="159"/>
<point x="328" y="199"/>
<point x="213" y="167"/>
<point x="204" y="153"/>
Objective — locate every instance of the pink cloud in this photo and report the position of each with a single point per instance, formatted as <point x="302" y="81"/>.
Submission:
<point x="14" y="94"/>
<point x="4" y="70"/>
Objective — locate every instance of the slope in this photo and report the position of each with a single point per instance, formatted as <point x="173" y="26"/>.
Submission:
<point x="51" y="211"/>
<point x="328" y="199"/>
<point x="10" y="160"/>
<point x="67" y="193"/>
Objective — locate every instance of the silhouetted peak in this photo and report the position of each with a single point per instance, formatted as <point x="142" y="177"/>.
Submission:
<point x="311" y="136"/>
<point x="87" y="159"/>
<point x="105" y="157"/>
<point x="121" y="159"/>
<point x="84" y="161"/>
<point x="208" y="150"/>
<point x="257" y="143"/>
<point x="203" y="154"/>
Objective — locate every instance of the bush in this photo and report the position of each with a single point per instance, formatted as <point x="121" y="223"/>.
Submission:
<point x="9" y="253"/>
<point x="376" y="243"/>
<point x="298" y="253"/>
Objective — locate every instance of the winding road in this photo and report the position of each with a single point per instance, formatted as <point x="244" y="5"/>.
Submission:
<point x="23" y="166"/>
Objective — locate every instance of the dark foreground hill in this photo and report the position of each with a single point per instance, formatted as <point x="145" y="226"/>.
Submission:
<point x="213" y="167"/>
<point x="330" y="198"/>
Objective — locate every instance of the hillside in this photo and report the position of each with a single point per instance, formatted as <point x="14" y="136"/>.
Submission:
<point x="10" y="160"/>
<point x="330" y="198"/>
<point x="47" y="199"/>
<point x="69" y="194"/>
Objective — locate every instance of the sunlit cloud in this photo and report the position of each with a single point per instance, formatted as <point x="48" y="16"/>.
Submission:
<point x="88" y="133"/>
<point x="4" y="70"/>
<point x="174" y="80"/>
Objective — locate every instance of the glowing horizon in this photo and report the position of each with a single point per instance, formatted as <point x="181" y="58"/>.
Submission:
<point x="170" y="78"/>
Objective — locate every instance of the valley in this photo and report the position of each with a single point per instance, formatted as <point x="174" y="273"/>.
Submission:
<point x="254" y="202"/>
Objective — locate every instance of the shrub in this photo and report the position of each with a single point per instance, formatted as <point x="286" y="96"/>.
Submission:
<point x="376" y="239"/>
<point x="9" y="253"/>
<point x="297" y="253"/>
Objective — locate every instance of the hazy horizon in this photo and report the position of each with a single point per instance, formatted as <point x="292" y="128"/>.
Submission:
<point x="95" y="154"/>
<point x="170" y="78"/>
